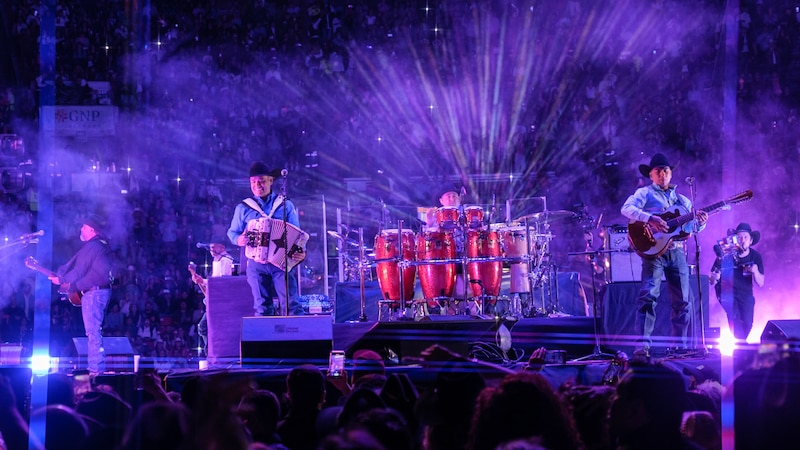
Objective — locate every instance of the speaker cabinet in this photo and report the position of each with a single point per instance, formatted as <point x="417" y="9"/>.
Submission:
<point x="229" y="299"/>
<point x="779" y="331"/>
<point x="119" y="353"/>
<point x="624" y="263"/>
<point x="293" y="340"/>
<point x="347" y="301"/>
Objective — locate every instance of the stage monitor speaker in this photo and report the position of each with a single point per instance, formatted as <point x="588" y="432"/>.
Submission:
<point x="282" y="340"/>
<point x="347" y="301"/>
<point x="624" y="263"/>
<point x="229" y="299"/>
<point x="119" y="353"/>
<point x="779" y="331"/>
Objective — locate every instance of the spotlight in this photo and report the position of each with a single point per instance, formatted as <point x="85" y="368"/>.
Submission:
<point x="12" y="179"/>
<point x="11" y="146"/>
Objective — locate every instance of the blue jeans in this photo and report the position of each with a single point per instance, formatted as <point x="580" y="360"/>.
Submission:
<point x="93" y="308"/>
<point x="202" y="331"/>
<point x="261" y="277"/>
<point x="672" y="265"/>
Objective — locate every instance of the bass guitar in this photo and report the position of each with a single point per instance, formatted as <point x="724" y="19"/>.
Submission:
<point x="74" y="296"/>
<point x="650" y="243"/>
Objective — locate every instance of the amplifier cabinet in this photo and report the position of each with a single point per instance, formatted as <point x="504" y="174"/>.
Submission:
<point x="623" y="263"/>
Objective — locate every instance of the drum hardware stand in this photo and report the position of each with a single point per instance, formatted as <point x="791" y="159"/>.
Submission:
<point x="363" y="316"/>
<point x="597" y="353"/>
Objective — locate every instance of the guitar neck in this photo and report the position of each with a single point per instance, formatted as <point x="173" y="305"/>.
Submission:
<point x="686" y="218"/>
<point x="42" y="270"/>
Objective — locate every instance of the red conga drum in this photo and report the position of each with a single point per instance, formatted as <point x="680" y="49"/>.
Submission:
<point x="389" y="271"/>
<point x="473" y="216"/>
<point x="481" y="244"/>
<point x="447" y="217"/>
<point x="436" y="280"/>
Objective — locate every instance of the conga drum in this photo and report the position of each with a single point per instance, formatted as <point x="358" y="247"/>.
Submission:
<point x="447" y="217"/>
<point x="481" y="244"/>
<point x="515" y="244"/>
<point x="473" y="217"/>
<point x="437" y="280"/>
<point x="386" y="248"/>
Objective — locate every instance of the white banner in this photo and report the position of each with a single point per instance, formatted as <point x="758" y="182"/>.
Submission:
<point x="79" y="120"/>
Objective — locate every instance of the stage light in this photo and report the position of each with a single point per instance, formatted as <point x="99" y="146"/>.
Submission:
<point x="40" y="363"/>
<point x="726" y="342"/>
<point x="11" y="146"/>
<point x="12" y="179"/>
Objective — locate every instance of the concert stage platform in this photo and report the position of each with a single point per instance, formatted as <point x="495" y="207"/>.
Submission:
<point x="400" y="344"/>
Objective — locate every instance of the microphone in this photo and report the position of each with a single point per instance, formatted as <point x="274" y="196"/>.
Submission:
<point x="284" y="172"/>
<point x="29" y="236"/>
<point x="689" y="180"/>
<point x="203" y="245"/>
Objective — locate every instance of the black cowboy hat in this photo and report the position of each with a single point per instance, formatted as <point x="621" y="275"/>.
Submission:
<point x="258" y="168"/>
<point x="92" y="220"/>
<point x="754" y="235"/>
<point x="658" y="160"/>
<point x="444" y="188"/>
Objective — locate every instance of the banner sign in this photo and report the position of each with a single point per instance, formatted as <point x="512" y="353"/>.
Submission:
<point x="91" y="120"/>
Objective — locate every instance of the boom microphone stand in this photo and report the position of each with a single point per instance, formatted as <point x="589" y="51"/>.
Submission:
<point x="597" y="353"/>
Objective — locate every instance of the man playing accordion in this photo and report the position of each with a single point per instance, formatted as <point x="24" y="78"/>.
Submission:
<point x="267" y="277"/>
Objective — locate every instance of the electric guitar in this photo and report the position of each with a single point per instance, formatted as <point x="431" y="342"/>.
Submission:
<point x="650" y="243"/>
<point x="74" y="296"/>
<point x="193" y="270"/>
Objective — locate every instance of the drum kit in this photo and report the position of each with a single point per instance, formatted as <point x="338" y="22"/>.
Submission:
<point x="461" y="249"/>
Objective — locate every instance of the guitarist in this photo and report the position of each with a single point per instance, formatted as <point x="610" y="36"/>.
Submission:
<point x="644" y="206"/>
<point x="89" y="272"/>
<point x="222" y="265"/>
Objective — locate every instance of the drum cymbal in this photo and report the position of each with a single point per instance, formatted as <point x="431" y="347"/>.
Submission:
<point x="548" y="216"/>
<point x="339" y="237"/>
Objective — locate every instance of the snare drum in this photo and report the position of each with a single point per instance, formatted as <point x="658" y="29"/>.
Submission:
<point x="388" y="271"/>
<point x="473" y="216"/>
<point x="447" y="217"/>
<point x="437" y="280"/>
<point x="481" y="244"/>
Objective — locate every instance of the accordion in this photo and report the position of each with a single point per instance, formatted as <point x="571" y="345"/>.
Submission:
<point x="265" y="242"/>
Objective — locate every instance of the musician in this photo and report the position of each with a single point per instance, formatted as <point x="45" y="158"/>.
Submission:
<point x="261" y="276"/>
<point x="89" y="272"/>
<point x="449" y="197"/>
<point x="644" y="206"/>
<point x="221" y="265"/>
<point x="748" y="268"/>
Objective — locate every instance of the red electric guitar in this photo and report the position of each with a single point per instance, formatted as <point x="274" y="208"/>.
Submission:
<point x="72" y="295"/>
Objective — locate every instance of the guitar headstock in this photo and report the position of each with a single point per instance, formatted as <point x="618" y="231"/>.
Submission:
<point x="192" y="268"/>
<point x="31" y="263"/>
<point x="740" y="197"/>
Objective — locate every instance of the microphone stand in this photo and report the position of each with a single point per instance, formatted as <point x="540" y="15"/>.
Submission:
<point x="597" y="353"/>
<point x="695" y="232"/>
<point x="285" y="239"/>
